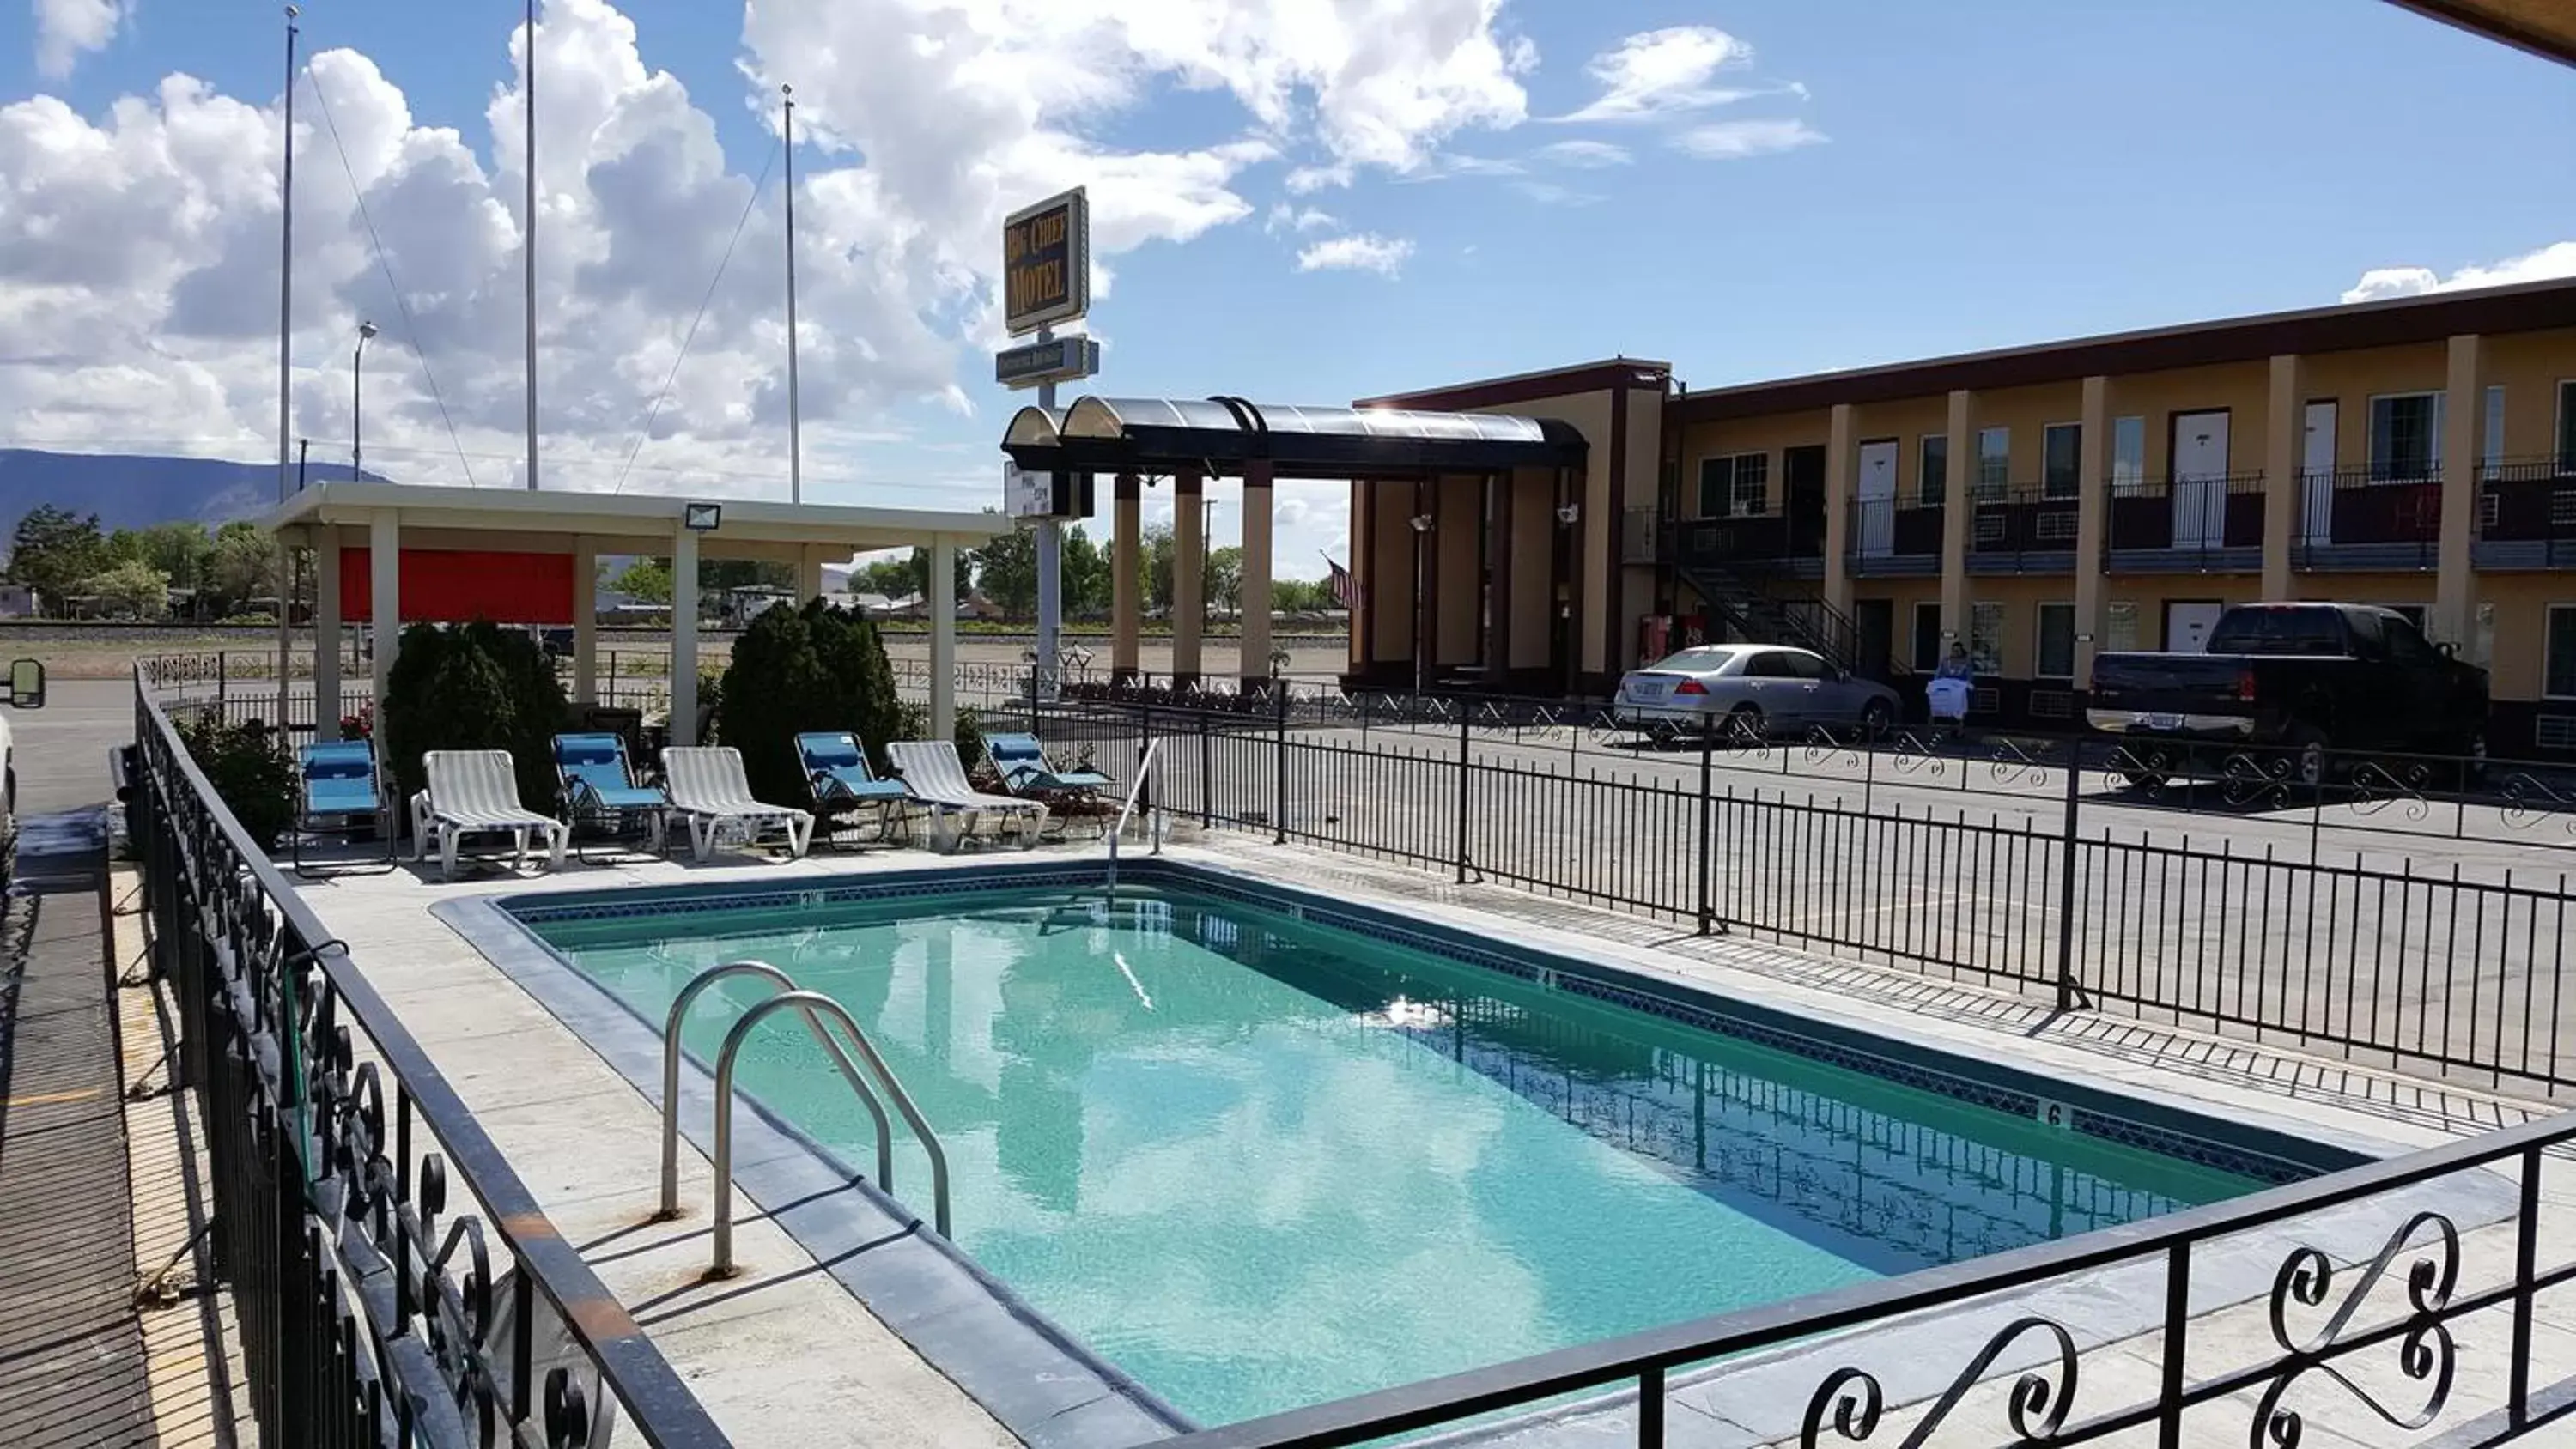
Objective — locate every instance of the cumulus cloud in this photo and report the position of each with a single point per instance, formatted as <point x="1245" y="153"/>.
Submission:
<point x="138" y="271"/>
<point x="67" y="29"/>
<point x="1358" y="252"/>
<point x="1284" y="217"/>
<point x="1730" y="140"/>
<point x="1660" y="72"/>
<point x="2558" y="259"/>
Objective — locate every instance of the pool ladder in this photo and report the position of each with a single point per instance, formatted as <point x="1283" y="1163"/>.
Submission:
<point x="1137" y="792"/>
<point x="818" y="1010"/>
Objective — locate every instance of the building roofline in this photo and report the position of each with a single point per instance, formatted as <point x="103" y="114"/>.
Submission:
<point x="2525" y="307"/>
<point x="1580" y="377"/>
<point x="2522" y="24"/>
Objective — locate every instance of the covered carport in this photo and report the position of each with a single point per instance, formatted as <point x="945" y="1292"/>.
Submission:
<point x="532" y="558"/>
<point x="1472" y="478"/>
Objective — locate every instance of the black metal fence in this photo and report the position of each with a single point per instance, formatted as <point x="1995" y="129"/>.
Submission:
<point x="394" y="1280"/>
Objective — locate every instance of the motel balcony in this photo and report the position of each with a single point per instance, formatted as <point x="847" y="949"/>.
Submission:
<point x="2185" y="525"/>
<point x="2526" y="514"/>
<point x="1896" y="538"/>
<point x="1791" y="544"/>
<point x="2369" y="517"/>
<point x="2021" y="530"/>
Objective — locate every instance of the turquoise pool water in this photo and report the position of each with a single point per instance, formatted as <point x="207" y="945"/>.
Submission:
<point x="1259" y="1163"/>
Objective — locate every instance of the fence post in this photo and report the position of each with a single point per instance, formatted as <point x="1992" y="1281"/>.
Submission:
<point x="2066" y="851"/>
<point x="1207" y="778"/>
<point x="220" y="712"/>
<point x="1279" y="770"/>
<point x="1707" y="751"/>
<point x="1465" y="749"/>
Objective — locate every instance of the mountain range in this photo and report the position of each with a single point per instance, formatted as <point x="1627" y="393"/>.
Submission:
<point x="132" y="490"/>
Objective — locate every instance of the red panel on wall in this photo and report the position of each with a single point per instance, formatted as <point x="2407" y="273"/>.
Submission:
<point x="452" y="586"/>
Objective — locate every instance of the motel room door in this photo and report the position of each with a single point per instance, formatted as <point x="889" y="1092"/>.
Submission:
<point x="2199" y="480"/>
<point x="2187" y="625"/>
<point x="1877" y="495"/>
<point x="2316" y="470"/>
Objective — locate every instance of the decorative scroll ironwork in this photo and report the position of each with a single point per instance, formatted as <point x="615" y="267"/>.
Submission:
<point x="2426" y="1353"/>
<point x="2529" y="801"/>
<point x="2260" y="782"/>
<point x="1824" y="745"/>
<point x="2009" y="764"/>
<point x="1918" y="756"/>
<point x="2036" y="1408"/>
<point x="2378" y="787"/>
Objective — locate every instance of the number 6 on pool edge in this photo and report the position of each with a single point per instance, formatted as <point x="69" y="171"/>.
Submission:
<point x="2054" y="1114"/>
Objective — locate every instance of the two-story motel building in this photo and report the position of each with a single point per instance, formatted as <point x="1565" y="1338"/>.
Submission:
<point x="2040" y="503"/>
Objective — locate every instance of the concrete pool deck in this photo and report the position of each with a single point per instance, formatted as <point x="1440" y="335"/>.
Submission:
<point x="780" y="1354"/>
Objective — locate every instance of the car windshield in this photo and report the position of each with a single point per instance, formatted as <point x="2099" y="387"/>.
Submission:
<point x="1694" y="661"/>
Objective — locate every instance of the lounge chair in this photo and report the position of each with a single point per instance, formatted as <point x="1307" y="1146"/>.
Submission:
<point x="599" y="787"/>
<point x="1022" y="763"/>
<point x="337" y="792"/>
<point x="712" y="795"/>
<point x="836" y="771"/>
<point x="937" y="778"/>
<point x="476" y="792"/>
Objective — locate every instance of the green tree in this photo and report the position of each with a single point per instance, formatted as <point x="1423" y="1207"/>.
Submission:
<point x="241" y="565"/>
<point x="1086" y="575"/>
<point x="795" y="670"/>
<point x="743" y="573"/>
<point x="646" y="580"/>
<point x="917" y="573"/>
<point x="179" y="550"/>
<point x="891" y="577"/>
<point x="133" y="588"/>
<point x="54" y="549"/>
<point x="472" y="687"/>
<point x="1006" y="568"/>
<point x="1224" y="572"/>
<point x="1155" y="557"/>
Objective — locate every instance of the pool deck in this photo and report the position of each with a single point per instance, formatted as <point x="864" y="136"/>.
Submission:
<point x="780" y="1354"/>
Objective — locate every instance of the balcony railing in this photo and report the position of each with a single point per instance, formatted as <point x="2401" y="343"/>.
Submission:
<point x="1895" y="535"/>
<point x="2022" y="530"/>
<point x="1750" y="543"/>
<point x="2526" y="513"/>
<point x="2193" y="524"/>
<point x="2372" y="516"/>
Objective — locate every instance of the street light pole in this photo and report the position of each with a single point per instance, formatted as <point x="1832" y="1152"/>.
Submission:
<point x="358" y="403"/>
<point x="795" y="441"/>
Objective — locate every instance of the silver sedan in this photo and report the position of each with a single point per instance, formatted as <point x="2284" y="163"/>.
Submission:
<point x="1760" y="688"/>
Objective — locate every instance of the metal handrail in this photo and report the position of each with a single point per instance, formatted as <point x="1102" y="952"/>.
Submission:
<point x="1144" y="772"/>
<point x="810" y="1002"/>
<point x="678" y="1016"/>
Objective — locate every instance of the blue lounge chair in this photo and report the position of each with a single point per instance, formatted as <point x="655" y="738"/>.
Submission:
<point x="598" y="787"/>
<point x="836" y="771"/>
<point x="1022" y="764"/>
<point x="338" y="792"/>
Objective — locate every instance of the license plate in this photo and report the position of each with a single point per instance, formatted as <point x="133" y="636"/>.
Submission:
<point x="2164" y="721"/>
<point x="1648" y="689"/>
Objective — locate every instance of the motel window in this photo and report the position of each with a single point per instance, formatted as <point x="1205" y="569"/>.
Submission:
<point x="2061" y="448"/>
<point x="1735" y="486"/>
<point x="2056" y="642"/>
<point x="1986" y="639"/>
<point x="2567" y="426"/>
<point x="2128" y="455"/>
<point x="2119" y="627"/>
<point x="2558" y="671"/>
<point x="1994" y="461"/>
<point x="2406" y="438"/>
<point x="2491" y="435"/>
<point x="1927" y="638"/>
<point x="1932" y="480"/>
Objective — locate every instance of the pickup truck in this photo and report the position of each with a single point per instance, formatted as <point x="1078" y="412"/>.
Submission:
<point x="2300" y="677"/>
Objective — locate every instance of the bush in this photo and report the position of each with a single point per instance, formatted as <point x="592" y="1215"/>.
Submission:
<point x="794" y="670"/>
<point x="248" y="766"/>
<point x="473" y="687"/>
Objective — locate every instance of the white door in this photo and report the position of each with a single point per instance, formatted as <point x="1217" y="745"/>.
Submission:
<point x="2187" y="627"/>
<point x="2316" y="469"/>
<point x="2199" y="480"/>
<point x="1877" y="499"/>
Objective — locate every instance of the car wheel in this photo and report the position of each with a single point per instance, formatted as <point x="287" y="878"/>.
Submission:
<point x="1876" y="718"/>
<point x="1744" y="723"/>
<point x="2307" y="747"/>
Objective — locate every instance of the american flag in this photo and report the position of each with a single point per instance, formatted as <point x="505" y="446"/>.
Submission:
<point x="1346" y="589"/>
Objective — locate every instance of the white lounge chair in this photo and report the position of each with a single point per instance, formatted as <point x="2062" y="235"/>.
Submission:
<point x="476" y="792"/>
<point x="931" y="770"/>
<point x="712" y="796"/>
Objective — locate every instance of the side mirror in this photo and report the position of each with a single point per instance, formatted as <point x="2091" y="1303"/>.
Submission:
<point x="27" y="684"/>
<point x="2450" y="649"/>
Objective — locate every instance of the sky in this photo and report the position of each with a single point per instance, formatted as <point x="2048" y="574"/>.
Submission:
<point x="1303" y="201"/>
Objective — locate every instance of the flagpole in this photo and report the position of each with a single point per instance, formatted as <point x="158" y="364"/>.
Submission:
<point x="528" y="244"/>
<point x="286" y="269"/>
<point x="795" y="441"/>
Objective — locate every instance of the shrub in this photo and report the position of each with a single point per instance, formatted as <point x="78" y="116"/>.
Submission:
<point x="794" y="670"/>
<point x="248" y="766"/>
<point x="472" y="687"/>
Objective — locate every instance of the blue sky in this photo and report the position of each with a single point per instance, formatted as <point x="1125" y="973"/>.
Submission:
<point x="1969" y="174"/>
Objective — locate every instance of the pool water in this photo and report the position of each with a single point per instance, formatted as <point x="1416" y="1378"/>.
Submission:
<point x="1258" y="1163"/>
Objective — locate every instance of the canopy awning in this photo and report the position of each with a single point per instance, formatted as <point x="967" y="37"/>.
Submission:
<point x="1221" y="436"/>
<point x="553" y="522"/>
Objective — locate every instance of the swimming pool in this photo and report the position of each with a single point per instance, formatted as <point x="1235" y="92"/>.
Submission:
<point x="1257" y="1159"/>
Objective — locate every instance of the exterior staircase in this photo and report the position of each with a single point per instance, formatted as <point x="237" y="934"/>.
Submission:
<point x="1806" y="621"/>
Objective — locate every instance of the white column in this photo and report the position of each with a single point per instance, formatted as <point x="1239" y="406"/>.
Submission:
<point x="384" y="581"/>
<point x="326" y="634"/>
<point x="1189" y="576"/>
<point x="684" y="637"/>
<point x="585" y="621"/>
<point x="2455" y="584"/>
<point x="943" y="638"/>
<point x="2285" y="418"/>
<point x="809" y="575"/>
<point x="1958" y="498"/>
<point x="1255" y="661"/>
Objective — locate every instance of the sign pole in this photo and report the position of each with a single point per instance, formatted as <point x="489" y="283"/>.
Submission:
<point x="1050" y="541"/>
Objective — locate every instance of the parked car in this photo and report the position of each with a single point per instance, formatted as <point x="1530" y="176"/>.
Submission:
<point x="2303" y="677"/>
<point x="1754" y="687"/>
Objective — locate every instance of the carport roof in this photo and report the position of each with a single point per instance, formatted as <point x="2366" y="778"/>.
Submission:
<point x="608" y="517"/>
<point x="1223" y="435"/>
